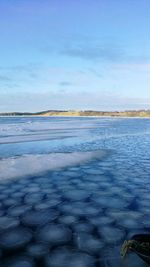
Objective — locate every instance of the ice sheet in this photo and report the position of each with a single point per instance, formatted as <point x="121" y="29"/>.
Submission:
<point x="35" y="129"/>
<point x="15" y="167"/>
<point x="13" y="130"/>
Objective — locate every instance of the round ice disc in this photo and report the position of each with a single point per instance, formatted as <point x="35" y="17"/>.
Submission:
<point x="11" y="202"/>
<point x="83" y="227"/>
<point x="37" y="250"/>
<point x="33" y="198"/>
<point x="88" y="243"/>
<point x="20" y="262"/>
<point x="15" y="238"/>
<point x="68" y="219"/>
<point x="48" y="204"/>
<point x="8" y="223"/>
<point x="69" y="258"/>
<point x="39" y="218"/>
<point x="101" y="220"/>
<point x="76" y="195"/>
<point x="55" y="234"/>
<point x="111" y="235"/>
<point x="18" y="210"/>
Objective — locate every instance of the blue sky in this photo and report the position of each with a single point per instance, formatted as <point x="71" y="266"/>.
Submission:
<point x="74" y="54"/>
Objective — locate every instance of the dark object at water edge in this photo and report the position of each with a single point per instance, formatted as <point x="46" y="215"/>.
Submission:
<point x="140" y="244"/>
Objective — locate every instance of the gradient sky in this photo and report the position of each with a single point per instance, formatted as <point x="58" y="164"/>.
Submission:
<point x="74" y="54"/>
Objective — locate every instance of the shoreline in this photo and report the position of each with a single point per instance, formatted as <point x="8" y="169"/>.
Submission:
<point x="70" y="116"/>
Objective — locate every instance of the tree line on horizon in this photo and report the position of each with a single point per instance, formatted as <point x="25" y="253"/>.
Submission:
<point x="130" y="113"/>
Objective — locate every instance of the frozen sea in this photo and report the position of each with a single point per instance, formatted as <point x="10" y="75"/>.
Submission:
<point x="72" y="189"/>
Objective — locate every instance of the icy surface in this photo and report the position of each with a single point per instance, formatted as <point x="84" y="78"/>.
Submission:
<point x="72" y="189"/>
<point x="35" y="164"/>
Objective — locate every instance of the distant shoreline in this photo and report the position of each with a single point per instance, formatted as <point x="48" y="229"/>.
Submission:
<point x="112" y="117"/>
<point x="86" y="113"/>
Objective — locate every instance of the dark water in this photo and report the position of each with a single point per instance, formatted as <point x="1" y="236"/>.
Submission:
<point x="78" y="215"/>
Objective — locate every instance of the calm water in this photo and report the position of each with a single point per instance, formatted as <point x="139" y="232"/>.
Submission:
<point x="72" y="189"/>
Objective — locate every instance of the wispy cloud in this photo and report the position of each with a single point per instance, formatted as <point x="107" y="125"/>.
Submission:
<point x="65" y="83"/>
<point x="95" y="72"/>
<point x="16" y="75"/>
<point x="28" y="68"/>
<point x="4" y="78"/>
<point x="97" y="51"/>
<point x="92" y="51"/>
<point x="104" y="53"/>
